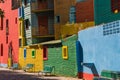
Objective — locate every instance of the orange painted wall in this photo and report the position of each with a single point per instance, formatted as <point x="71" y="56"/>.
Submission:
<point x="61" y="8"/>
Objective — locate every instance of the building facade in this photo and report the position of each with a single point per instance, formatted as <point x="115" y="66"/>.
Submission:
<point x="62" y="14"/>
<point x="8" y="32"/>
<point x="98" y="50"/>
<point x="110" y="11"/>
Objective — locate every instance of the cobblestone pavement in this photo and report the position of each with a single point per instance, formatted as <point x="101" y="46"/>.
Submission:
<point x="7" y="74"/>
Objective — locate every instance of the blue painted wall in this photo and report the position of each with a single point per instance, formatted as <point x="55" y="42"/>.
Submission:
<point x="101" y="47"/>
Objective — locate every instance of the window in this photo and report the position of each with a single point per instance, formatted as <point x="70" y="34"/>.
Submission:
<point x="115" y="6"/>
<point x="7" y="26"/>
<point x="27" y="24"/>
<point x="20" y="42"/>
<point x="20" y="29"/>
<point x="72" y="14"/>
<point x="25" y="54"/>
<point x="6" y="39"/>
<point x="1" y="49"/>
<point x="65" y="52"/>
<point x="45" y="53"/>
<point x="57" y="19"/>
<point x="15" y="4"/>
<point x="33" y="53"/>
<point x="1" y="21"/>
<point x="16" y="20"/>
<point x="26" y="2"/>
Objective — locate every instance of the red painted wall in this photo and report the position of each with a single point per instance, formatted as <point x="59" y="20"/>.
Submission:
<point x="12" y="16"/>
<point x="84" y="11"/>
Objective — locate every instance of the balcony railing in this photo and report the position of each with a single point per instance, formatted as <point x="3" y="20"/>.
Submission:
<point x="42" y="6"/>
<point x="41" y="32"/>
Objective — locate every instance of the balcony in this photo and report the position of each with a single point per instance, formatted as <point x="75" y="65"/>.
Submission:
<point x="42" y="32"/>
<point x="42" y="6"/>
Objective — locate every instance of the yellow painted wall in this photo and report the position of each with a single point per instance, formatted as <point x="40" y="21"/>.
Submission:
<point x="70" y="29"/>
<point x="37" y="61"/>
<point x="21" y="31"/>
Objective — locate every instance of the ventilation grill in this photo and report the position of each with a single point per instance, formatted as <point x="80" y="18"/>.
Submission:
<point x="111" y="28"/>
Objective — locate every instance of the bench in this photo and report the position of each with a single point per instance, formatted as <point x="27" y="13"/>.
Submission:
<point x="47" y="69"/>
<point x="15" y="66"/>
<point x="28" y="66"/>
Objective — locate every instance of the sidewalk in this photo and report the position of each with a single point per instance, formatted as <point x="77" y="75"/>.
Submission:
<point x="43" y="78"/>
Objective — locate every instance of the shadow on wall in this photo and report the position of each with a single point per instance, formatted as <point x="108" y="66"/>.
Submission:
<point x="92" y="67"/>
<point x="81" y="64"/>
<point x="79" y="52"/>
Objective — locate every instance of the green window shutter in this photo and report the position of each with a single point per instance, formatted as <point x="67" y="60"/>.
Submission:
<point x="33" y="53"/>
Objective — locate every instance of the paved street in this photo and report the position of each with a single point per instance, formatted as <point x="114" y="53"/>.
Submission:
<point x="7" y="74"/>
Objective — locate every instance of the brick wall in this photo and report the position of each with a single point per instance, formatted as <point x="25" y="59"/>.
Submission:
<point x="84" y="11"/>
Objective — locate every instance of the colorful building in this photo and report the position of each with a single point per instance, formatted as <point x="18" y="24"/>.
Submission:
<point x="31" y="55"/>
<point x="99" y="11"/>
<point x="62" y="55"/>
<point x="98" y="49"/>
<point x="106" y="12"/>
<point x="9" y="44"/>
<point x="63" y="14"/>
<point x="36" y="23"/>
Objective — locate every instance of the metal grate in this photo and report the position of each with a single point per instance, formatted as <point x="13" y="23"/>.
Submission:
<point x="111" y="28"/>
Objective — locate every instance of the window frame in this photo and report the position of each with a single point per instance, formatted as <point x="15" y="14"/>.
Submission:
<point x="65" y="52"/>
<point x="6" y="39"/>
<point x="33" y="53"/>
<point x="7" y="27"/>
<point x="57" y="19"/>
<point x="1" y="25"/>
<point x="25" y="53"/>
<point x="26" y="21"/>
<point x="45" y="53"/>
<point x="1" y="50"/>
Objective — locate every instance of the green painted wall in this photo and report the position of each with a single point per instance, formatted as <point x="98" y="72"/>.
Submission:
<point x="103" y="12"/>
<point x="63" y="67"/>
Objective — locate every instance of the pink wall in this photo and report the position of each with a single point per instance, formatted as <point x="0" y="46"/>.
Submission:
<point x="11" y="15"/>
